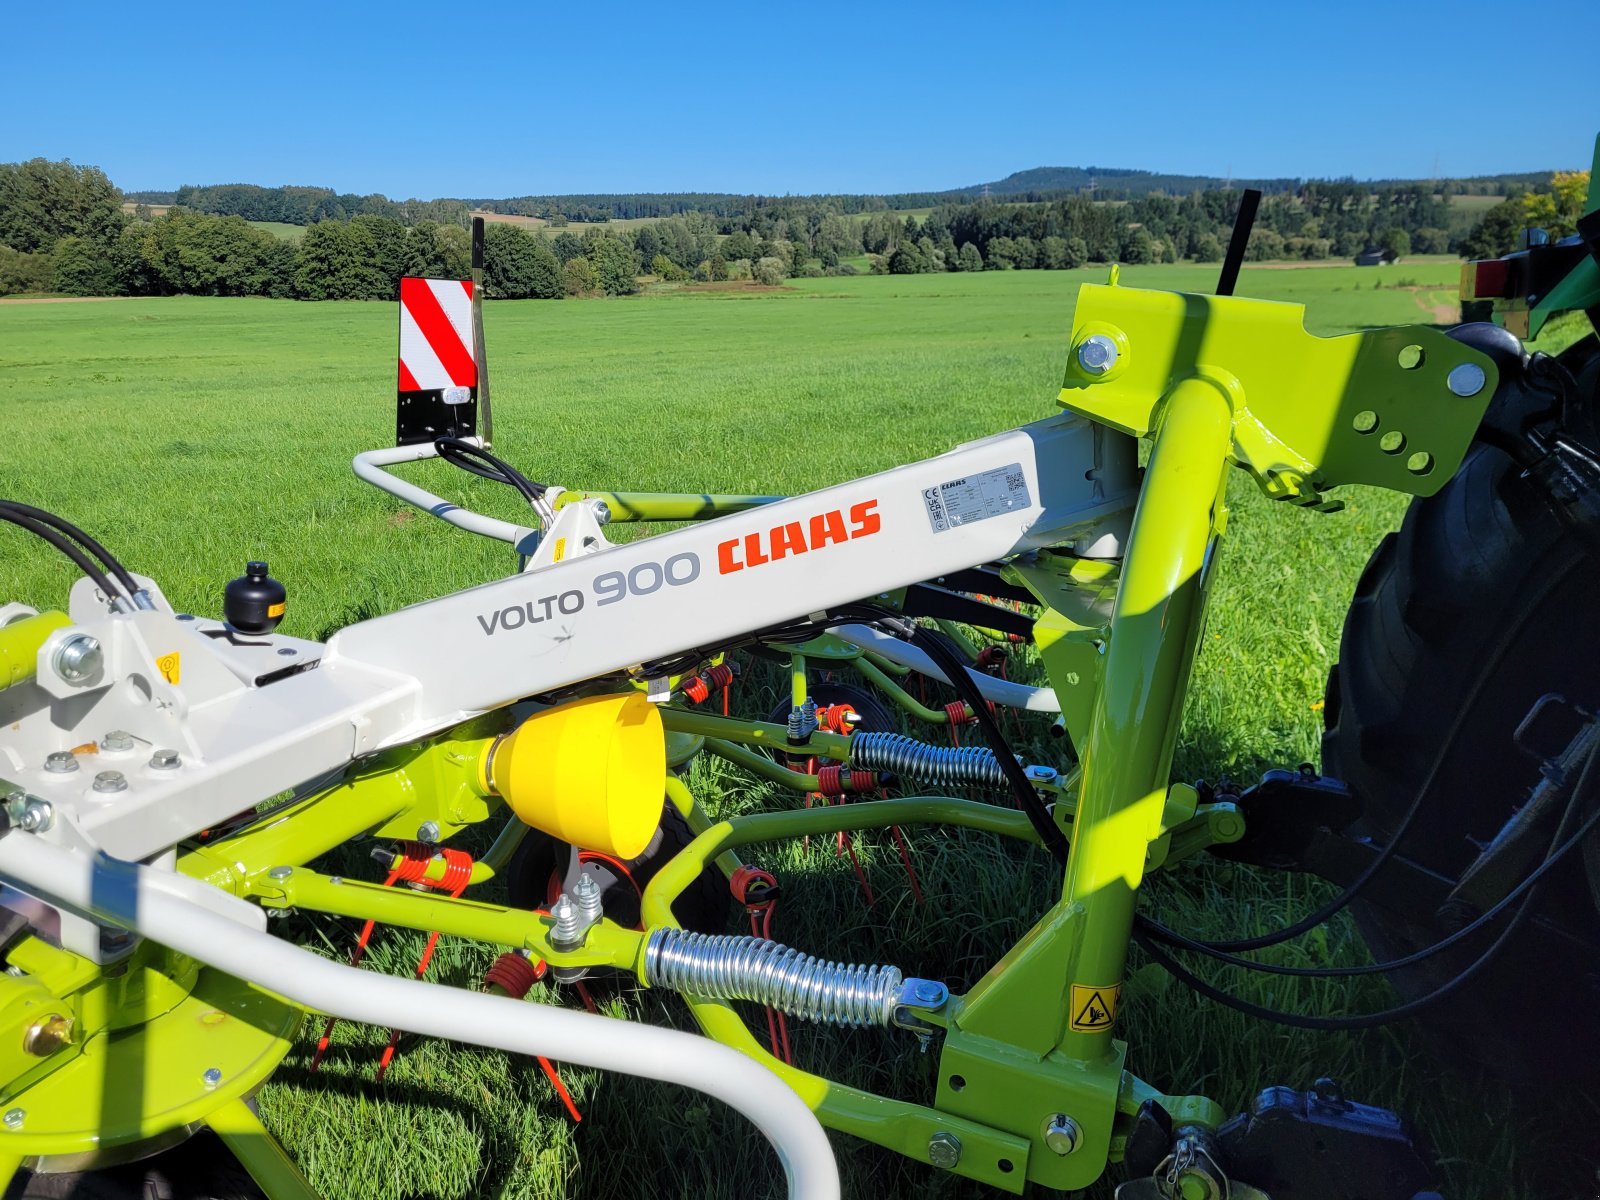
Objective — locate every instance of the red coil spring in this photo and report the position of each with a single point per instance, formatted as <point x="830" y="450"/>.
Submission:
<point x="960" y="714"/>
<point x="837" y="781"/>
<point x="834" y="718"/>
<point x="746" y="877"/>
<point x="992" y="658"/>
<point x="413" y="866"/>
<point x="514" y="975"/>
<point x="701" y="687"/>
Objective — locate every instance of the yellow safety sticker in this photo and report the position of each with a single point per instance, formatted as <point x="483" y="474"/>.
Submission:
<point x="561" y="550"/>
<point x="168" y="665"/>
<point x="275" y="610"/>
<point x="1094" y="1008"/>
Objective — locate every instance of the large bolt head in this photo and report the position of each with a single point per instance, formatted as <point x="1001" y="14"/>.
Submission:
<point x="944" y="1150"/>
<point x="77" y="659"/>
<point x="428" y="832"/>
<point x="166" y="760"/>
<point x="1097" y="354"/>
<point x="37" y="815"/>
<point x="1466" y="379"/>
<point x="117" y="739"/>
<point x="1061" y="1133"/>
<point x="110" y="781"/>
<point x="14" y="1118"/>
<point x="45" y="1037"/>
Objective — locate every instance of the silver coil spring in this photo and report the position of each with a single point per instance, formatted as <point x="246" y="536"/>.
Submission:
<point x="946" y="766"/>
<point x="730" y="967"/>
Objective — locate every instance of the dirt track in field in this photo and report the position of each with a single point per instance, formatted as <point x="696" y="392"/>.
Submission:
<point x="57" y="299"/>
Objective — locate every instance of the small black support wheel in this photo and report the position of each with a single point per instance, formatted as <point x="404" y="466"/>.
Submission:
<point x="1483" y="598"/>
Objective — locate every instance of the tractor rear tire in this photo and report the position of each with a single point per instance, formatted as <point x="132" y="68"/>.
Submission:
<point x="1481" y="583"/>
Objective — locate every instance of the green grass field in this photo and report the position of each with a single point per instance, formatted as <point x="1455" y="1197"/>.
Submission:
<point x="281" y="230"/>
<point x="192" y="434"/>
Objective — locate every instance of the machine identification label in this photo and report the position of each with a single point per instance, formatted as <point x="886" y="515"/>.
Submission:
<point x="976" y="497"/>
<point x="1094" y="1008"/>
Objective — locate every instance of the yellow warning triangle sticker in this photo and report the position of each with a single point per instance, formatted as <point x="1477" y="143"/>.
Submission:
<point x="1094" y="1008"/>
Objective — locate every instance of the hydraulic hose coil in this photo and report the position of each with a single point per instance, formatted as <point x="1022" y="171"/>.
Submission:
<point x="730" y="967"/>
<point x="947" y="766"/>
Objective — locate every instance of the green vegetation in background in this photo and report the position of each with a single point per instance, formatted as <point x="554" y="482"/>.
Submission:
<point x="64" y="228"/>
<point x="222" y="430"/>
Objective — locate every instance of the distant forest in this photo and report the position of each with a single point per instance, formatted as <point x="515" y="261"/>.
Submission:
<point x="306" y="205"/>
<point x="64" y="228"/>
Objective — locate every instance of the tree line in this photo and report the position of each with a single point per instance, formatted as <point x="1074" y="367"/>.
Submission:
<point x="308" y="205"/>
<point x="63" y="228"/>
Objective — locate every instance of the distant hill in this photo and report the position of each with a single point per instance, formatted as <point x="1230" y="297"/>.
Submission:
<point x="1123" y="180"/>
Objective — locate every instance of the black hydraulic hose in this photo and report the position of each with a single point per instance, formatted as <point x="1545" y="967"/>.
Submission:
<point x="1324" y="912"/>
<point x="1329" y="1024"/>
<point x="92" y="545"/>
<point x="87" y="565"/>
<point x="1411" y="1007"/>
<point x="489" y="466"/>
<point x="956" y="672"/>
<point x="1162" y="933"/>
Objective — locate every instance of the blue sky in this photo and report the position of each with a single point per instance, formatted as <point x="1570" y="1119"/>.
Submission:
<point x="510" y="99"/>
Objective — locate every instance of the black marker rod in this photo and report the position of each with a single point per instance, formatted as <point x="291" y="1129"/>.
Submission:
<point x="1234" y="259"/>
<point x="479" y="354"/>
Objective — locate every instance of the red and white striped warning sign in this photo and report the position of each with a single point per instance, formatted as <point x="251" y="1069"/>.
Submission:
<point x="436" y="334"/>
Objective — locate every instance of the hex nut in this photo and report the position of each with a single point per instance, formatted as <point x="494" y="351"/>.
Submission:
<point x="37" y="815"/>
<point x="1097" y="354"/>
<point x="944" y="1150"/>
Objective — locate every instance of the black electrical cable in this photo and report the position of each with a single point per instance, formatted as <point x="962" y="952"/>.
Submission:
<point x="1411" y="1007"/>
<point x="67" y="547"/>
<point x="1324" y="912"/>
<point x="1326" y="1024"/>
<point x="92" y="545"/>
<point x="1166" y="935"/>
<point x="480" y="462"/>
